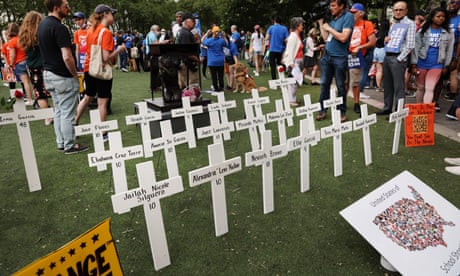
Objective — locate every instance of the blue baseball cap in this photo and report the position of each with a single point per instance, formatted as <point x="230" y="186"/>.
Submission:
<point x="79" y="15"/>
<point x="357" y="7"/>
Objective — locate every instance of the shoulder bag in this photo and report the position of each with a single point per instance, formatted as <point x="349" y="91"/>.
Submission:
<point x="97" y="68"/>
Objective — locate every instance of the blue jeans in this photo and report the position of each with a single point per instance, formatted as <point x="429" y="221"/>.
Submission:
<point x="333" y="67"/>
<point x="64" y="91"/>
<point x="123" y="59"/>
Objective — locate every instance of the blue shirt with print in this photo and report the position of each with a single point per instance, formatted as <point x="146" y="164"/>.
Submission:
<point x="431" y="61"/>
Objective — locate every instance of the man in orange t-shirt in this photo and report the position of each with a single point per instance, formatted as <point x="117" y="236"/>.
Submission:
<point x="79" y="39"/>
<point x="362" y="38"/>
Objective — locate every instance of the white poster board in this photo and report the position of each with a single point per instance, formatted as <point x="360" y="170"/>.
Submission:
<point x="412" y="226"/>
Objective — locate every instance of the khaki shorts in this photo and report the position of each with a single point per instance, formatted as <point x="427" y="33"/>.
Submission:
<point x="355" y="77"/>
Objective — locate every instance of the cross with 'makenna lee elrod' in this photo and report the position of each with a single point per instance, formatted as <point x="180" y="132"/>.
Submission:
<point x="187" y="111"/>
<point x="336" y="130"/>
<point x="21" y="117"/>
<point x="280" y="116"/>
<point x="252" y="123"/>
<point x="400" y="114"/>
<point x="96" y="128"/>
<point x="264" y="157"/>
<point x="364" y="123"/>
<point x="168" y="142"/>
<point x="144" y="118"/>
<point x="221" y="106"/>
<point x="216" y="171"/>
<point x="283" y="83"/>
<point x="148" y="194"/>
<point x="116" y="156"/>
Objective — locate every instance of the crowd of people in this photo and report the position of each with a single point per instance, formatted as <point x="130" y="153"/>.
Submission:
<point x="346" y="51"/>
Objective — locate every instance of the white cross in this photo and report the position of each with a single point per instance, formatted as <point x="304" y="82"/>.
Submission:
<point x="336" y="130"/>
<point x="264" y="157"/>
<point x="222" y="107"/>
<point x="333" y="101"/>
<point x="251" y="123"/>
<point x="308" y="109"/>
<point x="168" y="142"/>
<point x="257" y="103"/>
<point x="96" y="128"/>
<point x="148" y="195"/>
<point x="216" y="129"/>
<point x="308" y="137"/>
<point x="144" y="117"/>
<point x="280" y="116"/>
<point x="397" y="117"/>
<point x="117" y="155"/>
<point x="187" y="111"/>
<point x="363" y="123"/>
<point x="21" y="117"/>
<point x="283" y="83"/>
<point x="216" y="171"/>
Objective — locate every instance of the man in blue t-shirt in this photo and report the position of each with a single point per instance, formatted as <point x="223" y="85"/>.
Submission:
<point x="334" y="63"/>
<point x="277" y="35"/>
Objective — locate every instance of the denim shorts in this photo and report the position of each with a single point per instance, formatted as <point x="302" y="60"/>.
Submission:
<point x="379" y="55"/>
<point x="20" y="69"/>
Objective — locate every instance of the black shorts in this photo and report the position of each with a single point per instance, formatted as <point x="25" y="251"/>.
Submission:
<point x="309" y="61"/>
<point x="101" y="88"/>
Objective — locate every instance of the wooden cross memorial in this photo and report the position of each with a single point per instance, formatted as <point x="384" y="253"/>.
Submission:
<point x="148" y="194"/>
<point x="217" y="129"/>
<point x="264" y="157"/>
<point x="336" y="130"/>
<point x="96" y="128"/>
<point x="221" y="106"/>
<point x="397" y="117"/>
<point x="257" y="103"/>
<point x="187" y="111"/>
<point x="168" y="142"/>
<point x="333" y="101"/>
<point x="308" y="109"/>
<point x="21" y="117"/>
<point x="216" y="171"/>
<point x="363" y="123"/>
<point x="308" y="137"/>
<point x="252" y="123"/>
<point x="283" y="83"/>
<point x="116" y="156"/>
<point x="144" y="117"/>
<point x="280" y="116"/>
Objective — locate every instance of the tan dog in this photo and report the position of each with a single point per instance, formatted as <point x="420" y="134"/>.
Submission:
<point x="244" y="82"/>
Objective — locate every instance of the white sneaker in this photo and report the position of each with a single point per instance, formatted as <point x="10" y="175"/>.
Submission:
<point x="454" y="170"/>
<point x="124" y="70"/>
<point x="452" y="161"/>
<point x="363" y="96"/>
<point x="256" y="74"/>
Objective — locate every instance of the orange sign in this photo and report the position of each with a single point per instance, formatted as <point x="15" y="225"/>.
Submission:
<point x="420" y="125"/>
<point x="93" y="253"/>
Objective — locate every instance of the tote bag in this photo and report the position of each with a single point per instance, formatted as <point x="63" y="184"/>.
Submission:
<point x="97" y="68"/>
<point x="8" y="75"/>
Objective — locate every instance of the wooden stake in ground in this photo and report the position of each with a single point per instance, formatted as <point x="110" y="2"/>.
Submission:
<point x="216" y="171"/>
<point x="336" y="130"/>
<point x="187" y="111"/>
<point x="144" y="118"/>
<point x="148" y="195"/>
<point x="283" y="83"/>
<point x="280" y="116"/>
<point x="221" y="106"/>
<point x="21" y="117"/>
<point x="308" y="137"/>
<point x="397" y="117"/>
<point x="252" y="123"/>
<point x="363" y="123"/>
<point x="116" y="156"/>
<point x="264" y="157"/>
<point x="96" y="128"/>
<point x="217" y="129"/>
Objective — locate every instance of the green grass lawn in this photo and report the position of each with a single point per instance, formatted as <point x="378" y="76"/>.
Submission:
<point x="305" y="235"/>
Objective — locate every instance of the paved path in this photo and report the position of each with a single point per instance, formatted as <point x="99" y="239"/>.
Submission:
<point x="443" y="125"/>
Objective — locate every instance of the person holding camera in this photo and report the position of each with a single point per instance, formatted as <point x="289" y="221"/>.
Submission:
<point x="334" y="63"/>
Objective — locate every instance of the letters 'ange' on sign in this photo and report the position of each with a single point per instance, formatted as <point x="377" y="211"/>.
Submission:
<point x="96" y="128"/>
<point x="216" y="171"/>
<point x="21" y="117"/>
<point x="264" y="157"/>
<point x="148" y="195"/>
